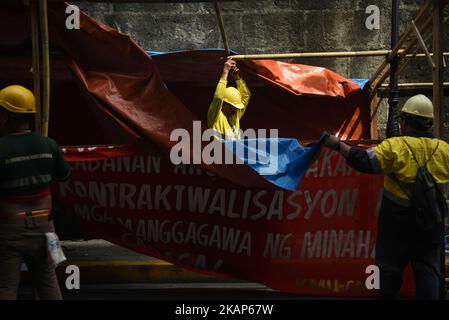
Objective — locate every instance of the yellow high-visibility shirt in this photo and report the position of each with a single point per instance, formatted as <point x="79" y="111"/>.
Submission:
<point x="393" y="156"/>
<point x="217" y="120"/>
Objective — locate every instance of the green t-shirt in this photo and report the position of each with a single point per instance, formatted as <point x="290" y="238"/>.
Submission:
<point x="28" y="162"/>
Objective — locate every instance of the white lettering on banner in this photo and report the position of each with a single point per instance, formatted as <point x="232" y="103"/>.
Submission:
<point x="219" y="237"/>
<point x="276" y="246"/>
<point x="330" y="202"/>
<point x="327" y="167"/>
<point x="253" y="205"/>
<point x="138" y="164"/>
<point x="338" y="244"/>
<point x="180" y="232"/>
<point x="186" y="169"/>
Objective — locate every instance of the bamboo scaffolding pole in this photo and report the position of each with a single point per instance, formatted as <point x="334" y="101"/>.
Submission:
<point x="415" y="53"/>
<point x="415" y="85"/>
<point x="222" y="28"/>
<point x="425" y="27"/>
<point x="399" y="44"/>
<point x="438" y="74"/>
<point x="439" y="115"/>
<point x="407" y="57"/>
<point x="45" y="67"/>
<point x="376" y="108"/>
<point x="383" y="74"/>
<point x="423" y="45"/>
<point x="375" y="82"/>
<point x="342" y="54"/>
<point x="36" y="64"/>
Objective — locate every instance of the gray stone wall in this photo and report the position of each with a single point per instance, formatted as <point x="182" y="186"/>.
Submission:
<point x="268" y="26"/>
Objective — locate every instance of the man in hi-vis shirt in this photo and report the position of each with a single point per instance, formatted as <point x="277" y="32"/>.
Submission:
<point x="400" y="238"/>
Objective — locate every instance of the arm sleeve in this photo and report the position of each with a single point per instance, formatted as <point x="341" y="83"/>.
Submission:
<point x="61" y="169"/>
<point x="359" y="159"/>
<point x="244" y="93"/>
<point x="215" y="106"/>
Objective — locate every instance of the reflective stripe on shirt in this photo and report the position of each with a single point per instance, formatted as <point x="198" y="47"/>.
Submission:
<point x="25" y="181"/>
<point x="373" y="160"/>
<point x="30" y="157"/>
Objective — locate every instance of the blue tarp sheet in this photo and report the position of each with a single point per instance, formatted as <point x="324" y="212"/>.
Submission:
<point x="361" y="82"/>
<point x="281" y="161"/>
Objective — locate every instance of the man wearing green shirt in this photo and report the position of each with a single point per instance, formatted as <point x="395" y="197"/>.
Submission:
<point x="28" y="164"/>
<point x="229" y="104"/>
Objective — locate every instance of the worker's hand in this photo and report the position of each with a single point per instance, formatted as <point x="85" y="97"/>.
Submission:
<point x="332" y="142"/>
<point x="229" y="64"/>
<point x="236" y="72"/>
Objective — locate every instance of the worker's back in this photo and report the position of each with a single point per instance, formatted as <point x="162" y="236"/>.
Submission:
<point x="396" y="158"/>
<point x="28" y="162"/>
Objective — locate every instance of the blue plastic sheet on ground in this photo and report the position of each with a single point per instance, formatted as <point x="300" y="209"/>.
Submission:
<point x="281" y="161"/>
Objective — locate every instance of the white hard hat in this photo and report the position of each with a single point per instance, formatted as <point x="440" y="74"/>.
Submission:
<point x="419" y="105"/>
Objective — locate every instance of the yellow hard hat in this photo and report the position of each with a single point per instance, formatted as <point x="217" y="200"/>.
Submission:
<point x="17" y="99"/>
<point x="419" y="105"/>
<point x="232" y="96"/>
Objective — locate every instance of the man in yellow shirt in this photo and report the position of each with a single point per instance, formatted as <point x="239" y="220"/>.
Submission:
<point x="400" y="238"/>
<point x="229" y="104"/>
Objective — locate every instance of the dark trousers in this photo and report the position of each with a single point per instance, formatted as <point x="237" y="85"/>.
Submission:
<point x="24" y="241"/>
<point x="398" y="243"/>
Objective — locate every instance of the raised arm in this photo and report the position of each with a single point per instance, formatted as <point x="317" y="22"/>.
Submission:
<point x="242" y="87"/>
<point x="217" y="101"/>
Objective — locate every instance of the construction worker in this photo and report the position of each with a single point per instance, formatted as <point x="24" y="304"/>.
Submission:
<point x="28" y="162"/>
<point x="399" y="238"/>
<point x="229" y="104"/>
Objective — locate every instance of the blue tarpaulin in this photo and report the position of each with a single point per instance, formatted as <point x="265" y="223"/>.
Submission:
<point x="281" y="161"/>
<point x="361" y="82"/>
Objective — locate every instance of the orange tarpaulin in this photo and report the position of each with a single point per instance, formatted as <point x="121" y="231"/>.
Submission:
<point x="301" y="79"/>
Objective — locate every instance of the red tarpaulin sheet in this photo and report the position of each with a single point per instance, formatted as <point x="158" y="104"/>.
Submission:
<point x="317" y="240"/>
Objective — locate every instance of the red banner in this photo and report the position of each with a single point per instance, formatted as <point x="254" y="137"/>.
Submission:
<point x="318" y="240"/>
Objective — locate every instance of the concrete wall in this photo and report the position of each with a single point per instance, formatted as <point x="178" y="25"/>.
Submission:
<point x="268" y="26"/>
